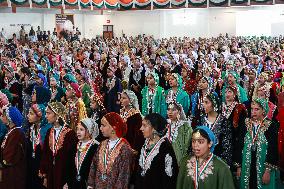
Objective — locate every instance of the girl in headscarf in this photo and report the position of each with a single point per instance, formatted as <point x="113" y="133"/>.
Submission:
<point x="37" y="133"/>
<point x="204" y="170"/>
<point x="87" y="132"/>
<point x="158" y="166"/>
<point x="76" y="110"/>
<point x="179" y="130"/>
<point x="260" y="154"/>
<point x="131" y="115"/>
<point x="57" y="92"/>
<point x="153" y="99"/>
<point x="83" y="81"/>
<point x="232" y="78"/>
<point x="214" y="120"/>
<point x="234" y="114"/>
<point x="57" y="166"/>
<point x="113" y="161"/>
<point x="176" y="93"/>
<point x="197" y="109"/>
<point x="13" y="151"/>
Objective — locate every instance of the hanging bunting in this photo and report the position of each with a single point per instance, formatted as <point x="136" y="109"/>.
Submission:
<point x="218" y="3"/>
<point x="111" y="4"/>
<point x="239" y="3"/>
<point x="85" y="4"/>
<point x="143" y="4"/>
<point x="126" y="4"/>
<point x="97" y="4"/>
<point x="71" y="4"/>
<point x="158" y="4"/>
<point x="55" y="3"/>
<point x="39" y="3"/>
<point x="21" y="3"/>
<point x="178" y="3"/>
<point x="261" y="2"/>
<point x="197" y="3"/>
<point x="3" y="3"/>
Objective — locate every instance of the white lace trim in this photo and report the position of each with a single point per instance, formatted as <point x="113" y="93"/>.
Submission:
<point x="168" y="165"/>
<point x="191" y="168"/>
<point x="144" y="163"/>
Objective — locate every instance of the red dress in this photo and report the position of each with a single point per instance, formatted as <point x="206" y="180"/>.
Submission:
<point x="280" y="118"/>
<point x="13" y="160"/>
<point x="58" y="158"/>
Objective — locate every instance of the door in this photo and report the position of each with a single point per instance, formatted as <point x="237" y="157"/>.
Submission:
<point x="108" y="31"/>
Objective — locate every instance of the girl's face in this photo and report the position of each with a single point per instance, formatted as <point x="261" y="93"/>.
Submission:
<point x="208" y="106"/>
<point x="261" y="94"/>
<point x="106" y="128"/>
<point x="124" y="100"/>
<point x="34" y="97"/>
<point x="173" y="113"/>
<point x="32" y="117"/>
<point x="50" y="116"/>
<point x="82" y="132"/>
<point x="53" y="82"/>
<point x="261" y="80"/>
<point x="231" y="79"/>
<point x="172" y="81"/>
<point x="230" y="95"/>
<point x="150" y="80"/>
<point x="256" y="111"/>
<point x="203" y="84"/>
<point x="183" y="72"/>
<point x="200" y="146"/>
<point x="146" y="129"/>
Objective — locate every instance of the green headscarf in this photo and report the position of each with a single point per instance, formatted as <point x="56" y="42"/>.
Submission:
<point x="263" y="103"/>
<point x="178" y="78"/>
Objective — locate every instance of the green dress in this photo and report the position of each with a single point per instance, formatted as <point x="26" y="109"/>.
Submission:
<point x="217" y="175"/>
<point x="153" y="102"/>
<point x="179" y="134"/>
<point x="259" y="155"/>
<point x="86" y="93"/>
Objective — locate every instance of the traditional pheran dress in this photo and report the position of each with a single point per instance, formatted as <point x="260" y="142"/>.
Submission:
<point x="223" y="135"/>
<point x="158" y="167"/>
<point x="13" y="160"/>
<point x="179" y="135"/>
<point x="83" y="160"/>
<point x="76" y="112"/>
<point x="58" y="156"/>
<point x="36" y="142"/>
<point x="235" y="115"/>
<point x="113" y="163"/>
<point x="212" y="174"/>
<point x="259" y="152"/>
<point x="153" y="101"/>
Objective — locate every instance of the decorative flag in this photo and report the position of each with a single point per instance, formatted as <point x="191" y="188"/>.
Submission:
<point x="197" y="3"/>
<point x="178" y="3"/>
<point x="126" y="4"/>
<point x="218" y="3"/>
<point x="158" y="4"/>
<point x="143" y="4"/>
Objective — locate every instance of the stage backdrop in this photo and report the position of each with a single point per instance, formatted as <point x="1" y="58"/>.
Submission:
<point x="64" y="21"/>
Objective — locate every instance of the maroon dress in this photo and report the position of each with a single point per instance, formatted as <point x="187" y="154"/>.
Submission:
<point x="58" y="158"/>
<point x="13" y="162"/>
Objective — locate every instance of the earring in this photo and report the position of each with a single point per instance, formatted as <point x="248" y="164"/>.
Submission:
<point x="112" y="132"/>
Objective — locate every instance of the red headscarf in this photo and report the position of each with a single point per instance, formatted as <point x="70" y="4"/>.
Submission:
<point x="77" y="90"/>
<point x="117" y="124"/>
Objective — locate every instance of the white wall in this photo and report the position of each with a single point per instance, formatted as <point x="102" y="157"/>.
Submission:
<point x="268" y="20"/>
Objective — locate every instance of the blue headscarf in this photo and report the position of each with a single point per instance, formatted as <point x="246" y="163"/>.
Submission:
<point x="44" y="125"/>
<point x="210" y="135"/>
<point x="14" y="116"/>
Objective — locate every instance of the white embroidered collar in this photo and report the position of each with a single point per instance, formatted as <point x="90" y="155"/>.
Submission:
<point x="145" y="159"/>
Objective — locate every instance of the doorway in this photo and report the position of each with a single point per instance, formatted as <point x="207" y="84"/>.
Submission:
<point x="108" y="31"/>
